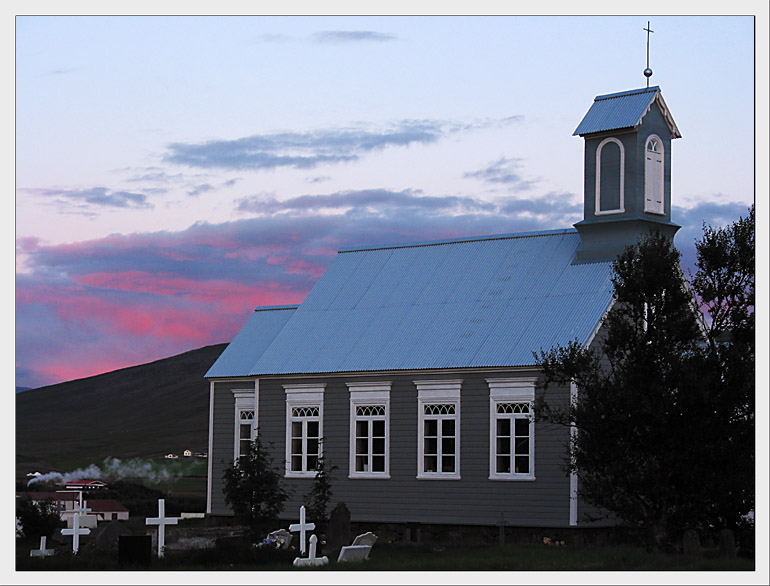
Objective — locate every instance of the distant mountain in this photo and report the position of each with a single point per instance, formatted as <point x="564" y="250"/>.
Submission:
<point x="141" y="411"/>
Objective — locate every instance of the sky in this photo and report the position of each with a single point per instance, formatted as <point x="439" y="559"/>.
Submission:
<point x="173" y="173"/>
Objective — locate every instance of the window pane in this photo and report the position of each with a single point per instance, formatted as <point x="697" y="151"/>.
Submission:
<point x="362" y="464"/>
<point x="378" y="445"/>
<point x="503" y="465"/>
<point x="431" y="464"/>
<point x="312" y="446"/>
<point x="503" y="445"/>
<point x="431" y="427"/>
<point x="245" y="431"/>
<point x="522" y="465"/>
<point x="296" y="446"/>
<point x="312" y="429"/>
<point x="522" y="446"/>
<point x="244" y="449"/>
<point x="448" y="427"/>
<point x="503" y="427"/>
<point x="362" y="446"/>
<point x="296" y="463"/>
<point x="378" y="464"/>
<point x="362" y="428"/>
<point x="296" y="429"/>
<point x="378" y="428"/>
<point x="447" y="463"/>
<point x="522" y="427"/>
<point x="431" y="446"/>
<point x="312" y="462"/>
<point x="448" y="446"/>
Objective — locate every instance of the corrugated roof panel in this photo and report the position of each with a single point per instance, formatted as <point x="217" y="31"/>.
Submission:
<point x="482" y="302"/>
<point x="251" y="341"/>
<point x="615" y="111"/>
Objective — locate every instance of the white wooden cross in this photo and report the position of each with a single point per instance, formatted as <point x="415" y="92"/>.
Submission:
<point x="302" y="527"/>
<point x="311" y="560"/>
<point x="76" y="531"/>
<point x="161" y="521"/>
<point x="42" y="552"/>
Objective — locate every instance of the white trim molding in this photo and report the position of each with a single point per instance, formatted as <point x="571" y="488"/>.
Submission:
<point x="598" y="211"/>
<point x="573" y="477"/>
<point x="246" y="401"/>
<point x="442" y="399"/>
<point x="210" y="462"/>
<point x="304" y="406"/>
<point x="511" y="400"/>
<point x="369" y="407"/>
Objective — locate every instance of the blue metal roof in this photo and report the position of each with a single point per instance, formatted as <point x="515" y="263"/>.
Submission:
<point x="249" y="343"/>
<point x="452" y="304"/>
<point x="623" y="110"/>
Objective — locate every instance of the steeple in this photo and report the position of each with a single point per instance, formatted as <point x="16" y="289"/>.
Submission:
<point x="627" y="166"/>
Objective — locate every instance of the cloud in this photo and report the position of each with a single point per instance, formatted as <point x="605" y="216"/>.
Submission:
<point x="88" y="307"/>
<point x="503" y="171"/>
<point x="307" y="150"/>
<point x="196" y="190"/>
<point x="95" y="197"/>
<point x="351" y="37"/>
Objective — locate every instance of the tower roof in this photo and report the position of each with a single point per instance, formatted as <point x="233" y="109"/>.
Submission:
<point x="624" y="110"/>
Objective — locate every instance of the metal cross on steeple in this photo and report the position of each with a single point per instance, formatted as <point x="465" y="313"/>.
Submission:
<point x="648" y="71"/>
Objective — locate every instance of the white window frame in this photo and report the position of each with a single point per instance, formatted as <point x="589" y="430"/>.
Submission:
<point x="297" y="396"/>
<point x="369" y="394"/>
<point x="511" y="390"/>
<point x="597" y="208"/>
<point x="654" y="179"/>
<point x="438" y="392"/>
<point x="245" y="400"/>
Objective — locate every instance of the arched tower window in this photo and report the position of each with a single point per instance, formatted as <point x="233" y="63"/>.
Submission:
<point x="610" y="177"/>
<point x="653" y="175"/>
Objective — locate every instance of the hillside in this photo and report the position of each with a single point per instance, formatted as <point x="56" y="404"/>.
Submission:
<point x="142" y="411"/>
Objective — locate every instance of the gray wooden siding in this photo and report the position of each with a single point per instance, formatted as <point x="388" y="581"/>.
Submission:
<point x="474" y="499"/>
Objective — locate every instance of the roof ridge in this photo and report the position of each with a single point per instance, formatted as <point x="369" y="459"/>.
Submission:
<point x="275" y="307"/>
<point x="643" y="90"/>
<point x="461" y="240"/>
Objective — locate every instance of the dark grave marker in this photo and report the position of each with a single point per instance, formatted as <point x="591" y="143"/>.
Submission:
<point x="134" y="549"/>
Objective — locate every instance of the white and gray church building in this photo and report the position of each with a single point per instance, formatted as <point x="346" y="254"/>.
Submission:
<point x="410" y="367"/>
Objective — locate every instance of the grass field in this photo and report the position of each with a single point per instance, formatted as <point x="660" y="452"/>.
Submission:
<point x="385" y="558"/>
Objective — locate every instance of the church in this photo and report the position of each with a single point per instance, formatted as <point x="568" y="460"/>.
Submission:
<point x="411" y="367"/>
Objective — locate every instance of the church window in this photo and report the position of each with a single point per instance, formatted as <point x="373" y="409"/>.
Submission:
<point x="610" y="177"/>
<point x="512" y="429"/>
<point x="653" y="176"/>
<point x="438" y="447"/>
<point x="369" y="430"/>
<point x="245" y="420"/>
<point x="304" y="429"/>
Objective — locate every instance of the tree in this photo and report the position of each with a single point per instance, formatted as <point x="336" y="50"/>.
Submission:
<point x="38" y="519"/>
<point x="320" y="494"/>
<point x="661" y="427"/>
<point x="254" y="488"/>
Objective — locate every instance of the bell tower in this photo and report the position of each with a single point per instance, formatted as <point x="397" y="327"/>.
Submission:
<point x="627" y="166"/>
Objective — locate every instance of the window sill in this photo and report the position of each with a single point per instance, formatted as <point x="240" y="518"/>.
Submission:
<point x="438" y="476"/>
<point x="369" y="475"/>
<point x="609" y="212"/>
<point x="300" y="474"/>
<point x="513" y="477"/>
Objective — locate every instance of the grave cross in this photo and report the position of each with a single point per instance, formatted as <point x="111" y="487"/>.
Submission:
<point x="311" y="560"/>
<point x="42" y="552"/>
<point x="161" y="521"/>
<point x="76" y="531"/>
<point x="302" y="527"/>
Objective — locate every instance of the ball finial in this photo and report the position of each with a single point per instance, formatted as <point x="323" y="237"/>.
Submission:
<point x="648" y="72"/>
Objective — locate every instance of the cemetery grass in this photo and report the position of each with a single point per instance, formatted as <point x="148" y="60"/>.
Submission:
<point x="396" y="557"/>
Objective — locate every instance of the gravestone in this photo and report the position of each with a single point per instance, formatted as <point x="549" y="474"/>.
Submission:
<point x="106" y="536"/>
<point x="354" y="553"/>
<point x="281" y="537"/>
<point x="339" y="527"/>
<point x="727" y="544"/>
<point x="311" y="560"/>
<point x="691" y="543"/>
<point x="134" y="549"/>
<point x="368" y="538"/>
